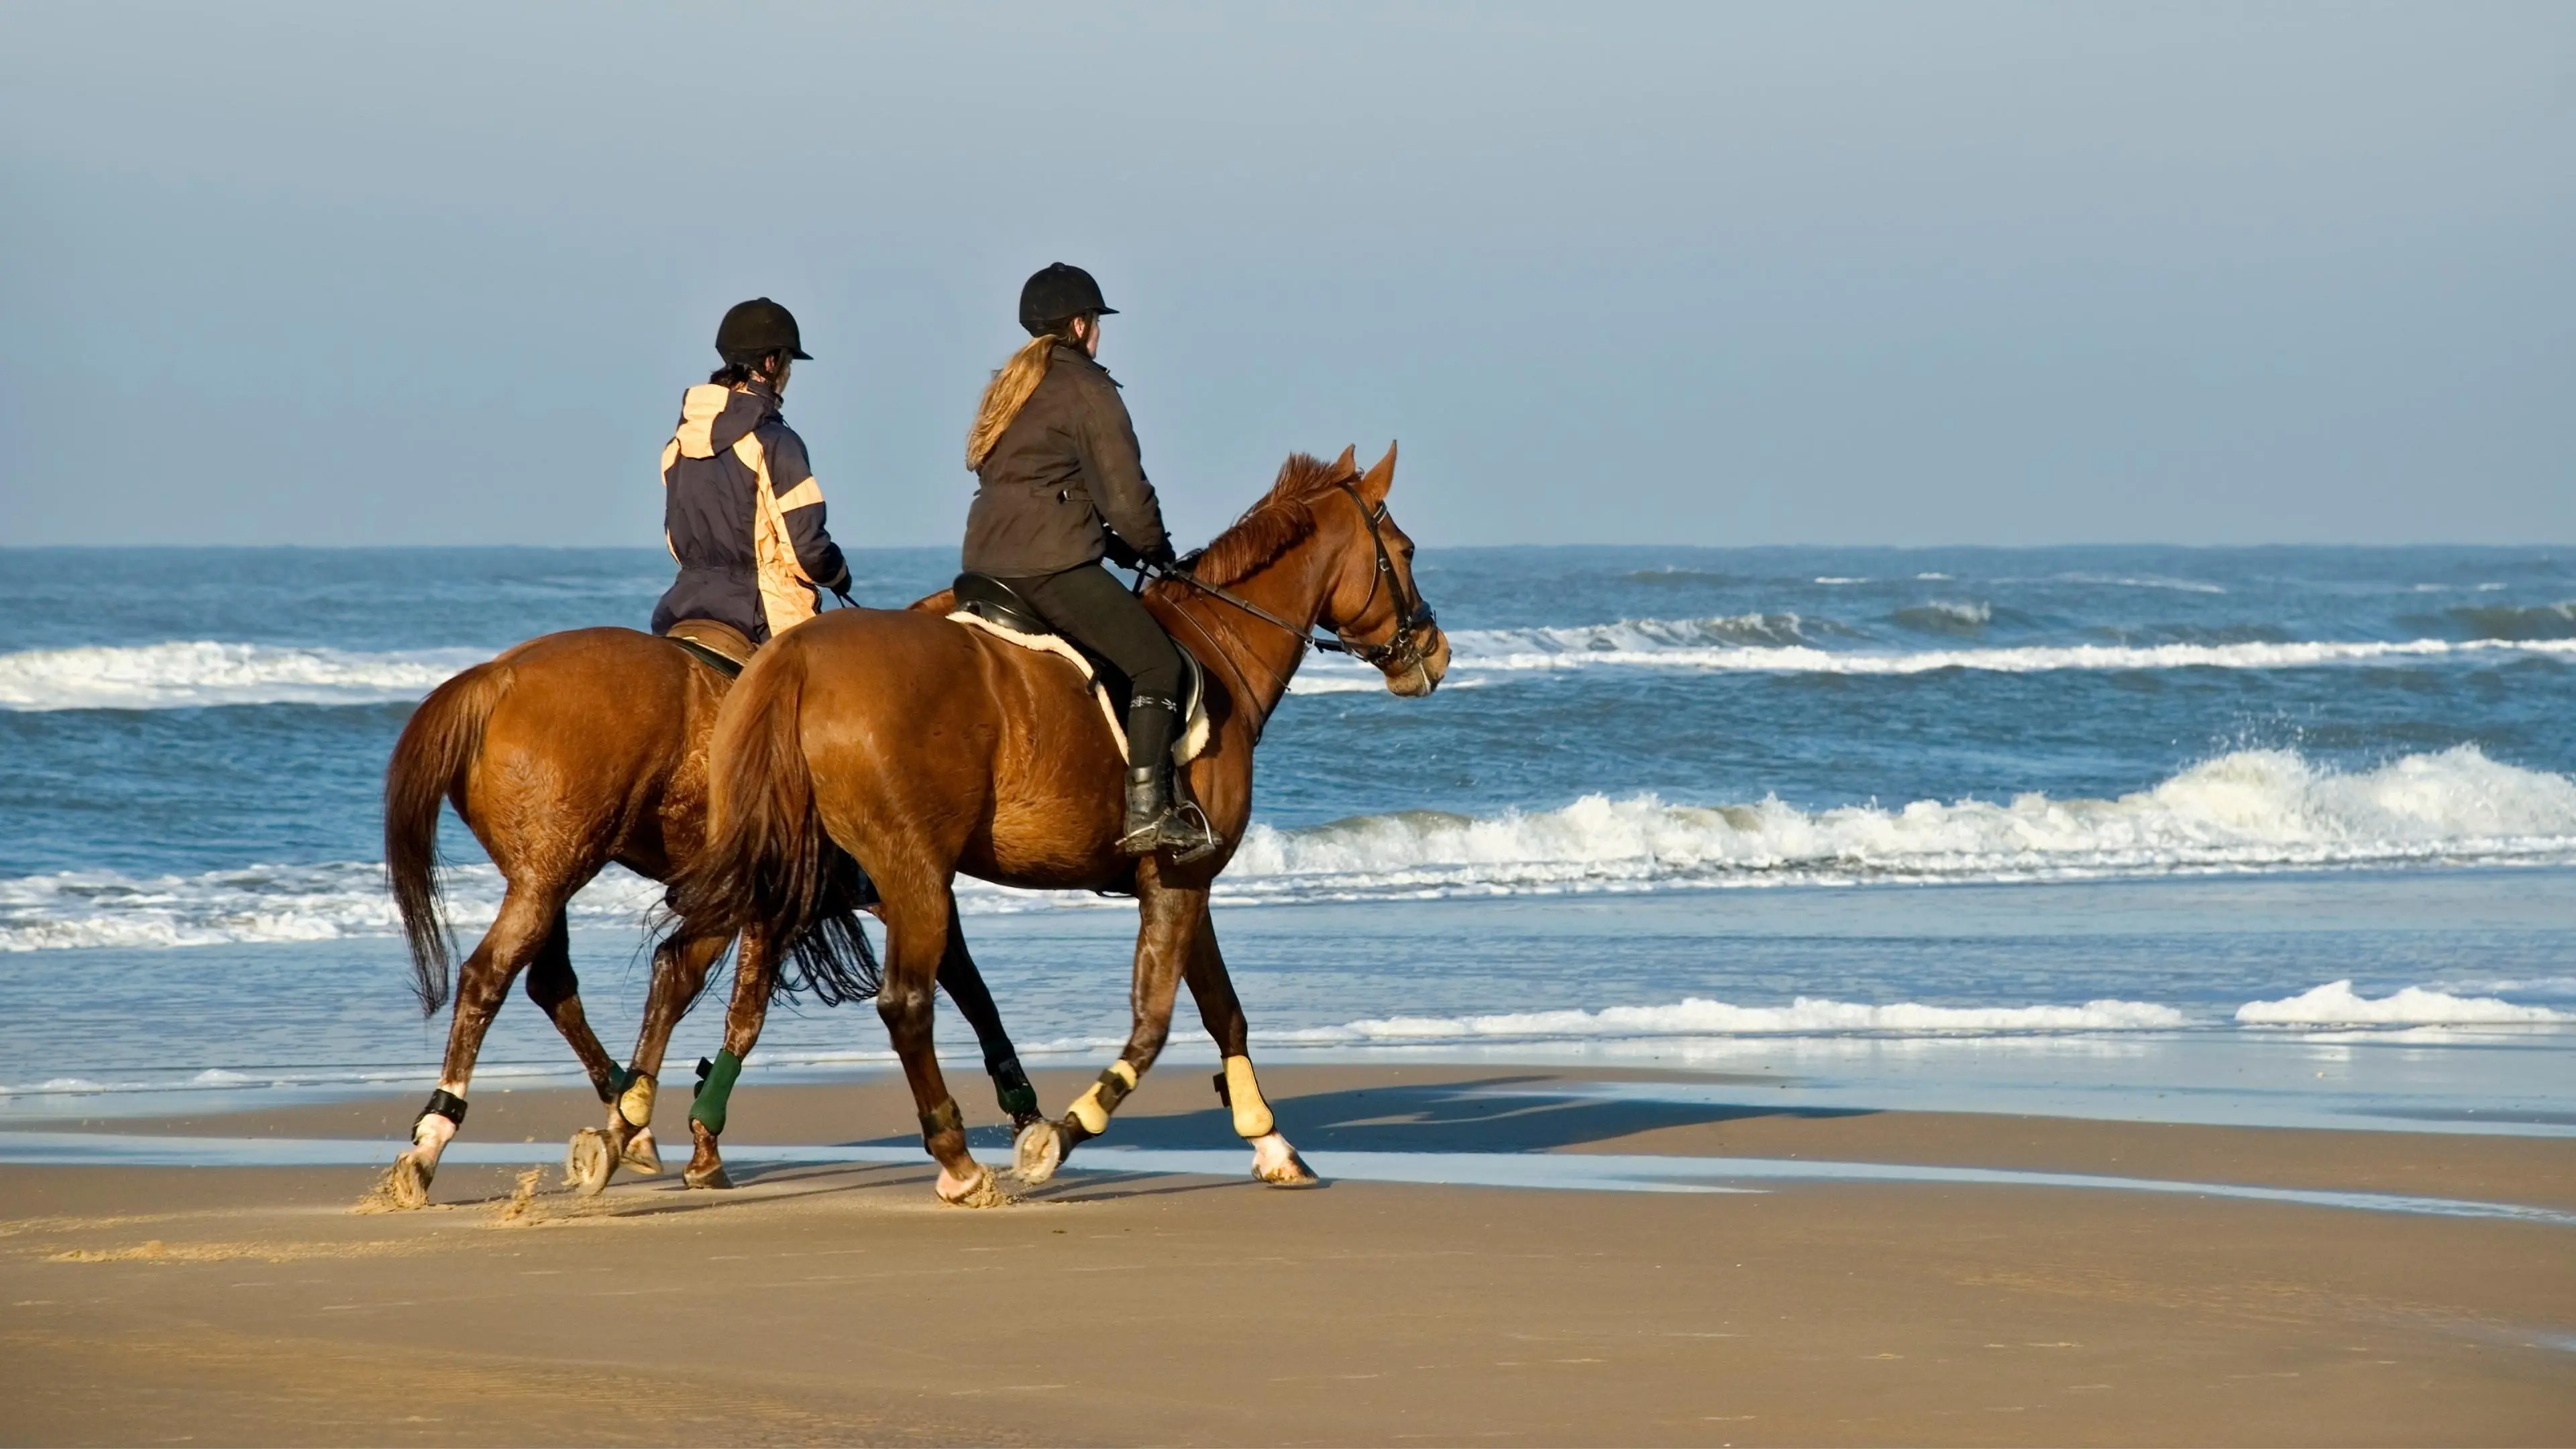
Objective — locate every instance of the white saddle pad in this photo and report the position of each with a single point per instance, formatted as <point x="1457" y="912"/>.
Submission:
<point x="1186" y="745"/>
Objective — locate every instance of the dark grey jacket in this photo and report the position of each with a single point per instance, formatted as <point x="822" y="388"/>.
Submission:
<point x="743" y="515"/>
<point x="1064" y="468"/>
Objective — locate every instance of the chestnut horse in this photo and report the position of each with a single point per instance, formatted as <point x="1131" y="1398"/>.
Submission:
<point x="563" y="754"/>
<point x="924" y="748"/>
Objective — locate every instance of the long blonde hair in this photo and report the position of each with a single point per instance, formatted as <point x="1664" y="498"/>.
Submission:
<point x="1005" y="395"/>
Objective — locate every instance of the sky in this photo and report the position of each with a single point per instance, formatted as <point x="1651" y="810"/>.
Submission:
<point x="1703" y="274"/>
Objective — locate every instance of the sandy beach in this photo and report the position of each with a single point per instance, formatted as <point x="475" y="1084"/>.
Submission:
<point x="838" y="1302"/>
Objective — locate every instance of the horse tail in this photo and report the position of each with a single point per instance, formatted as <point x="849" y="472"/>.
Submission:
<point x="768" y="861"/>
<point x="438" y="745"/>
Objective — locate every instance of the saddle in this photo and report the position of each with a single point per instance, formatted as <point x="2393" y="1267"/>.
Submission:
<point x="721" y="647"/>
<point x="987" y="603"/>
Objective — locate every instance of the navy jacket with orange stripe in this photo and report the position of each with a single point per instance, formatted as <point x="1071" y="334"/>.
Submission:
<point x="743" y="515"/>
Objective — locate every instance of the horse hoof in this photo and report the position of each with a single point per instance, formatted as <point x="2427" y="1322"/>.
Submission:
<point x="978" y="1191"/>
<point x="588" y="1162"/>
<point x="1037" y="1152"/>
<point x="1023" y="1121"/>
<point x="1277" y="1163"/>
<point x="407" y="1186"/>
<point x="706" y="1165"/>
<point x="641" y="1157"/>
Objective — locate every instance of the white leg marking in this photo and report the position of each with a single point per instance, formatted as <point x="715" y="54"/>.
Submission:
<point x="1277" y="1163"/>
<point x="429" y="1137"/>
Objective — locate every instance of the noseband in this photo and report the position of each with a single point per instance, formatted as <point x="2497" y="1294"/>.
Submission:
<point x="1403" y="648"/>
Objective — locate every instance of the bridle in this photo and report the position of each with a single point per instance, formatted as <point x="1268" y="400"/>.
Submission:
<point x="1400" y="652"/>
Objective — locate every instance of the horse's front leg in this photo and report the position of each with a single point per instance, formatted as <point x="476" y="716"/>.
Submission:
<point x="918" y="911"/>
<point x="1274" y="1161"/>
<point x="680" y="969"/>
<point x="1168" y="920"/>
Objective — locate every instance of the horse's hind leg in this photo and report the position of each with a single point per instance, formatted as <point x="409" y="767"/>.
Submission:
<point x="755" y="977"/>
<point x="554" y="988"/>
<point x="1274" y="1161"/>
<point x="1168" y="923"/>
<point x="680" y="969"/>
<point x="917" y="917"/>
<point x="965" y="986"/>
<point x="483" y="983"/>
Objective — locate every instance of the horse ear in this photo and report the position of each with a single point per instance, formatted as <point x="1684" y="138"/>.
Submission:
<point x="1348" y="465"/>
<point x="1380" y="478"/>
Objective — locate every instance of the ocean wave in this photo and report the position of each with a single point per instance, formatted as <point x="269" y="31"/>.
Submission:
<point x="336" y="900"/>
<point x="1969" y="616"/>
<point x="200" y="673"/>
<point x="2337" y="1004"/>
<point x="2251" y="811"/>
<point x="1697" y="1017"/>
<point x="1628" y="636"/>
<point x="1700" y="645"/>
<point x="2136" y="581"/>
<point x="2506" y="623"/>
<point x="203" y="672"/>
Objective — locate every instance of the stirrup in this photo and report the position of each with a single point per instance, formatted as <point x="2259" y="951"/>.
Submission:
<point x="1186" y="831"/>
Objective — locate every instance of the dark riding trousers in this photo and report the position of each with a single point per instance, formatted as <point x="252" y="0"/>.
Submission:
<point x="1063" y="476"/>
<point x="1089" y="606"/>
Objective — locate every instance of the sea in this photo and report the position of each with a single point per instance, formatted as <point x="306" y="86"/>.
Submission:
<point x="2278" y="835"/>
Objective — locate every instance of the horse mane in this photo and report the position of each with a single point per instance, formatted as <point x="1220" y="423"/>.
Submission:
<point x="1282" y="520"/>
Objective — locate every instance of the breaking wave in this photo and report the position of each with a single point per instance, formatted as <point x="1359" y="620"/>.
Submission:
<point x="2505" y="623"/>
<point x="1696" y="1017"/>
<point x="2337" y="1004"/>
<point x="2251" y="811"/>
<point x="200" y="673"/>
<point x="73" y="910"/>
<point x="1786" y="644"/>
<point x="186" y="675"/>
<point x="1947" y="617"/>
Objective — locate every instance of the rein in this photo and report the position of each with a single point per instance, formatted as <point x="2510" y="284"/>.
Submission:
<point x="1411" y="613"/>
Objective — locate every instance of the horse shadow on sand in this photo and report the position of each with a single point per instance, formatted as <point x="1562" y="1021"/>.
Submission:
<point x="1502" y="1113"/>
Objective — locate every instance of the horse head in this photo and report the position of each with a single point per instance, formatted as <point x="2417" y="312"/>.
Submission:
<point x="1371" y="602"/>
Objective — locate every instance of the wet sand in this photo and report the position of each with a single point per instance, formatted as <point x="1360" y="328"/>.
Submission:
<point x="840" y="1303"/>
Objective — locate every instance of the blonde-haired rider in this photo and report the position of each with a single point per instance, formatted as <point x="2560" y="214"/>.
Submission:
<point x="1061" y="483"/>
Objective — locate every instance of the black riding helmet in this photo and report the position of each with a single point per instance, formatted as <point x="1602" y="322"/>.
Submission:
<point x="752" y="330"/>
<point x="1058" y="292"/>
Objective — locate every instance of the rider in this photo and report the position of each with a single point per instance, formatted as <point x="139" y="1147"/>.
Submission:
<point x="1060" y="485"/>
<point x="741" y="512"/>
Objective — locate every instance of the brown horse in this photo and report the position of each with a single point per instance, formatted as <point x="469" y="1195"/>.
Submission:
<point x="564" y="754"/>
<point x="924" y="748"/>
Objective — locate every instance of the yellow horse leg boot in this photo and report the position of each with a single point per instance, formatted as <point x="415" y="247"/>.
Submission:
<point x="1274" y="1161"/>
<point x="1042" y="1148"/>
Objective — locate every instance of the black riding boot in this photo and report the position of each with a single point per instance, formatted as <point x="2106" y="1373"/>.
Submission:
<point x="1155" y="821"/>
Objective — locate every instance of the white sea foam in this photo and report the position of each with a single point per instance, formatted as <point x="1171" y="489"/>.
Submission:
<point x="2141" y="581"/>
<point x="1697" y="1017"/>
<point x="336" y="900"/>
<point x="1731" y="645"/>
<point x="181" y="675"/>
<point x="2255" y="810"/>
<point x="2337" y="1004"/>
